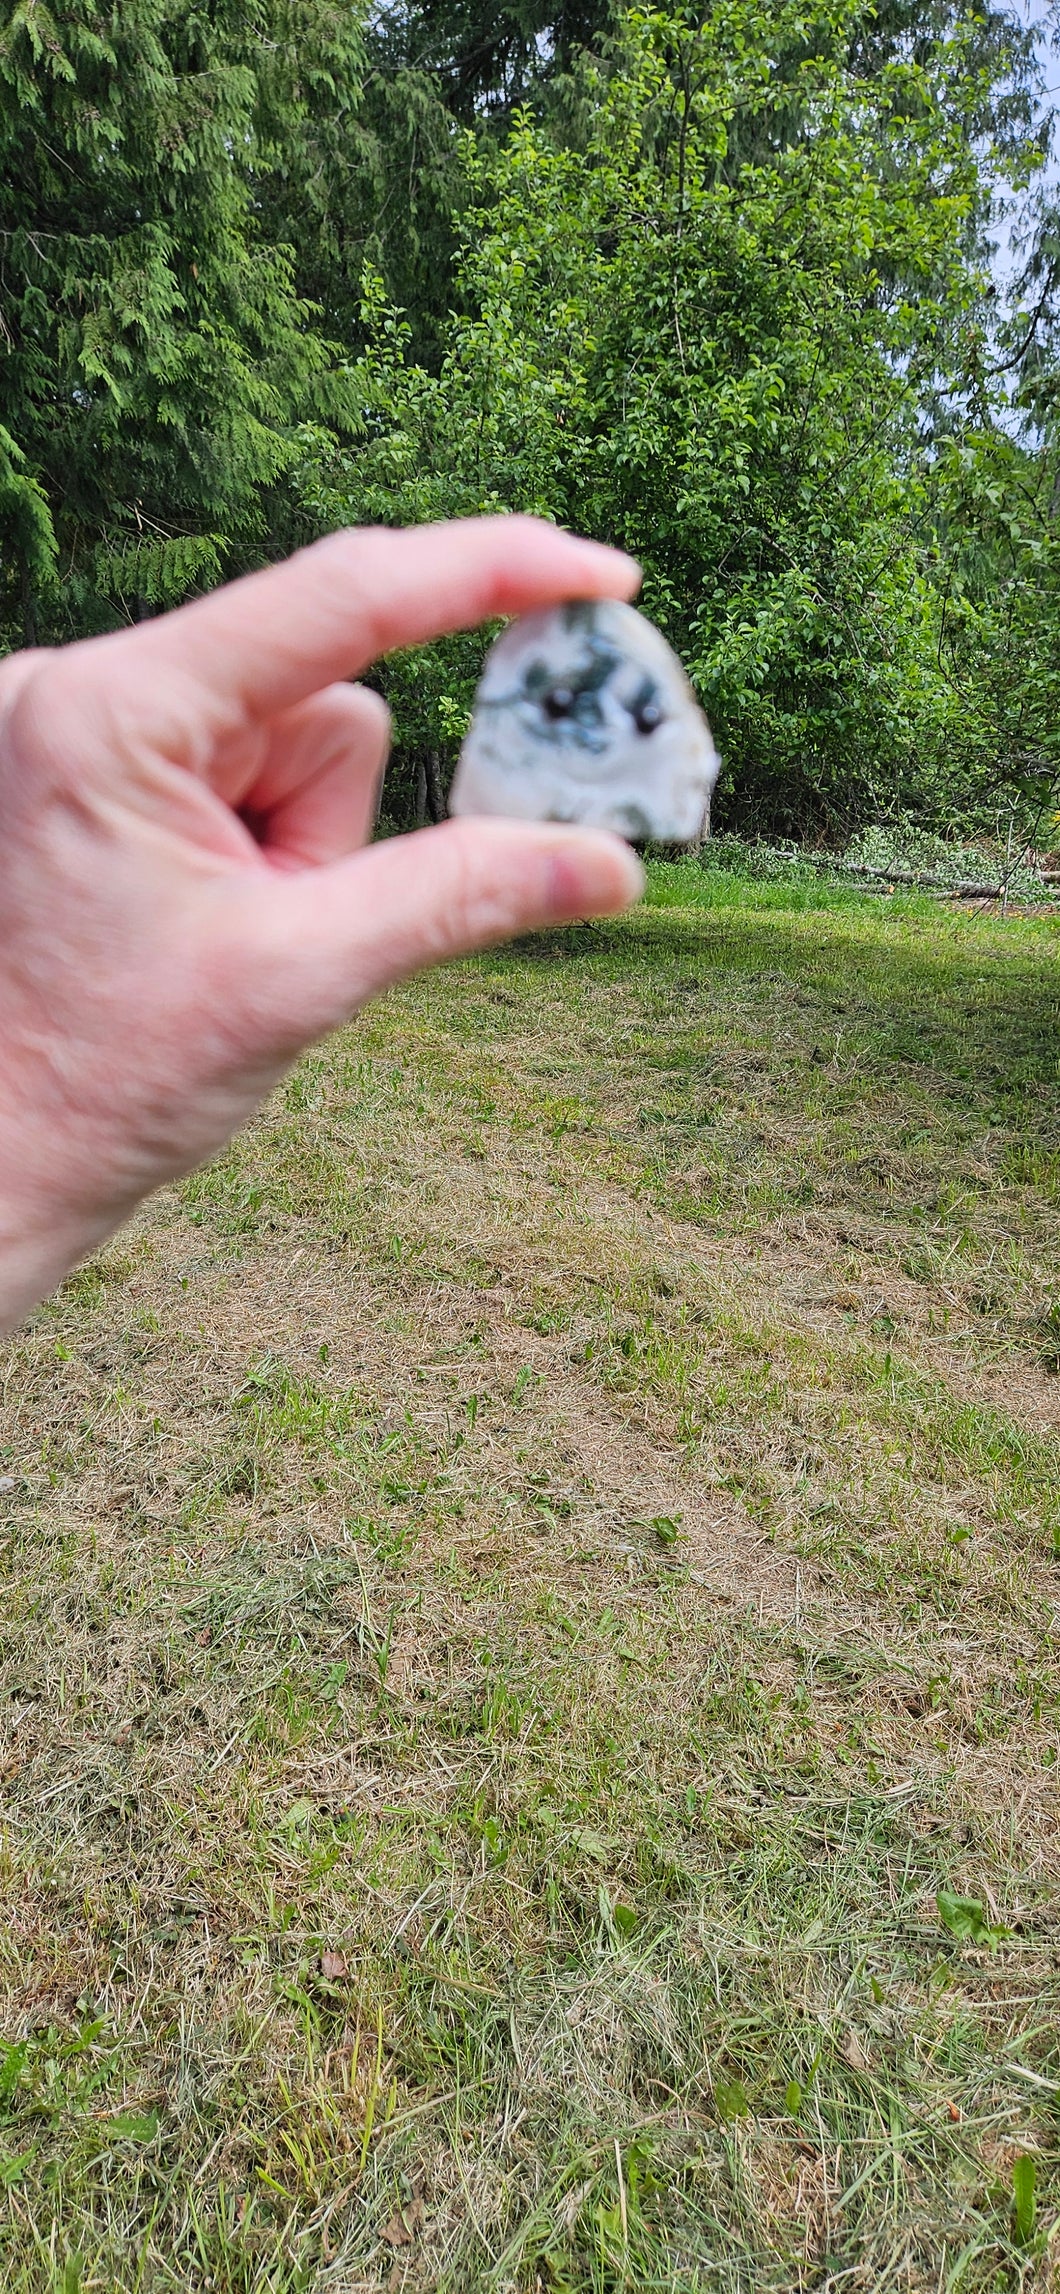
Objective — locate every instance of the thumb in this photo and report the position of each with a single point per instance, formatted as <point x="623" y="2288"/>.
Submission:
<point x="337" y="935"/>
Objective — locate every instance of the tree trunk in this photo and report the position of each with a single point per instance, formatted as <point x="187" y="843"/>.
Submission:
<point x="421" y="795"/>
<point x="433" y="776"/>
<point x="29" y="610"/>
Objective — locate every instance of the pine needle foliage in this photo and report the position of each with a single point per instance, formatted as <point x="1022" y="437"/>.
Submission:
<point x="155" y="348"/>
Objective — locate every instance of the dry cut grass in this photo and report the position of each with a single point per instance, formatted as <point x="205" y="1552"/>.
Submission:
<point x="529" y="1646"/>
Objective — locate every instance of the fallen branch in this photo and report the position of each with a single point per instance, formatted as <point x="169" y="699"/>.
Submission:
<point x="926" y="882"/>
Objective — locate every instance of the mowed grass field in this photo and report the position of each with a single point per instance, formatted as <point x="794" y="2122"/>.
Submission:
<point x="530" y="1665"/>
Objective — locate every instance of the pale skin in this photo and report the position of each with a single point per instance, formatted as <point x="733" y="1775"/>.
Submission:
<point x="185" y="891"/>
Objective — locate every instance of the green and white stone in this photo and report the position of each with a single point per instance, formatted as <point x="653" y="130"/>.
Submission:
<point x="583" y="713"/>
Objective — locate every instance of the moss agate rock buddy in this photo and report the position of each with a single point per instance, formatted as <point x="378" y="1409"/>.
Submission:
<point x="584" y="714"/>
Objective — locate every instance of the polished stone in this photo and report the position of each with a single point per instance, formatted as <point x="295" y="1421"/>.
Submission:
<point x="583" y="713"/>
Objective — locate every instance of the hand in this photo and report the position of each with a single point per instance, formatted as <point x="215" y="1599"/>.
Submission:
<point x="184" y="900"/>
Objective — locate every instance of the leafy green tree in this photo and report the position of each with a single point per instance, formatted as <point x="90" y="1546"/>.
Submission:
<point x="998" y="572"/>
<point x="711" y="335"/>
<point x="155" y="349"/>
<point x="994" y="488"/>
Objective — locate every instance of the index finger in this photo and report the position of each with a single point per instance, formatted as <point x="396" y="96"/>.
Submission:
<point x="266" y="642"/>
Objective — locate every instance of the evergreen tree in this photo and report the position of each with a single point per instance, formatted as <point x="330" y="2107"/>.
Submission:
<point x="396" y="198"/>
<point x="155" y="348"/>
<point x="487" y="61"/>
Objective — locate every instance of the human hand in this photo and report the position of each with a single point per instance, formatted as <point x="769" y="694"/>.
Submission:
<point x="184" y="896"/>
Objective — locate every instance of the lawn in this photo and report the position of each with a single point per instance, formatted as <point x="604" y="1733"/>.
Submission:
<point x="529" y="1643"/>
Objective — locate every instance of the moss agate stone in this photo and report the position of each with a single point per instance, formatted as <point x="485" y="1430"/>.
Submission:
<point x="583" y="713"/>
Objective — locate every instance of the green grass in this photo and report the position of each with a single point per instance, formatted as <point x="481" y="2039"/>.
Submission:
<point x="792" y="888"/>
<point x="529" y="1641"/>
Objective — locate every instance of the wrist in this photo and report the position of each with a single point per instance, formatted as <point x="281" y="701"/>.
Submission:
<point x="36" y="1252"/>
<point x="48" y="1221"/>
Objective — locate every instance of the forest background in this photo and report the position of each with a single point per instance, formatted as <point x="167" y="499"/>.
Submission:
<point x="718" y="287"/>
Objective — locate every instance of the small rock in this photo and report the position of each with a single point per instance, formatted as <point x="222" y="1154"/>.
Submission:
<point x="583" y="713"/>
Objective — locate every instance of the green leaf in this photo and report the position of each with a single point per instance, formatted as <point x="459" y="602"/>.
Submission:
<point x="730" y="2096"/>
<point x="966" y="1919"/>
<point x="13" y="2169"/>
<point x="592" y="1844"/>
<point x="1024" y="2198"/>
<point x="12" y="2060"/>
<point x="131" y="2127"/>
<point x="493" y="1841"/>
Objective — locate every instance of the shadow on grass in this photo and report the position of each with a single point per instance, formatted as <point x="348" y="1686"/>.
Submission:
<point x="974" y="1004"/>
